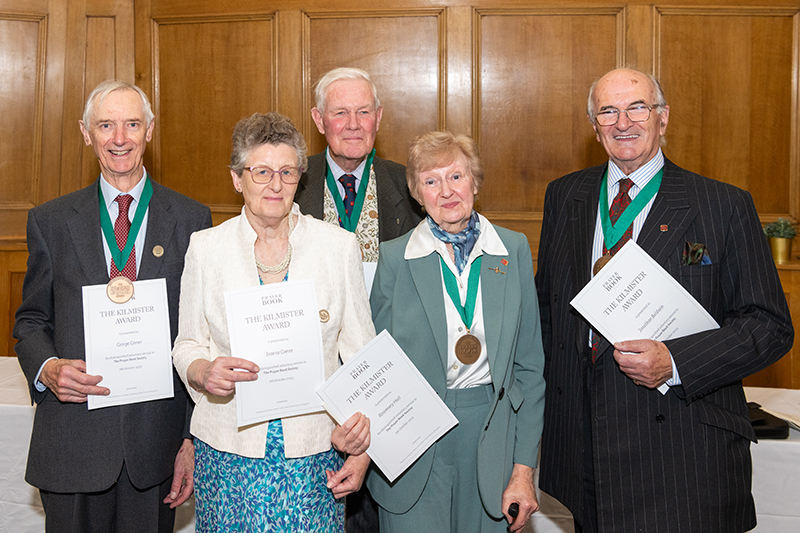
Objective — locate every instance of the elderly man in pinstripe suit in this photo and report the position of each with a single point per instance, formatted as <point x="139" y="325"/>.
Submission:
<point x="618" y="453"/>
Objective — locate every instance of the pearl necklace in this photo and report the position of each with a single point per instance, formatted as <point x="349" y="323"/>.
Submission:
<point x="266" y="269"/>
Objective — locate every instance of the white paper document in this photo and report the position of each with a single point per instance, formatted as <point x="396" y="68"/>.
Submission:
<point x="633" y="297"/>
<point x="277" y="327"/>
<point x="129" y="344"/>
<point x="406" y="415"/>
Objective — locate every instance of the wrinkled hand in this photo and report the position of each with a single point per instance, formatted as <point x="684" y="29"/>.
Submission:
<point x="350" y="477"/>
<point x="352" y="437"/>
<point x="646" y="362"/>
<point x="520" y="490"/>
<point x="219" y="377"/>
<point x="68" y="380"/>
<point x="183" y="476"/>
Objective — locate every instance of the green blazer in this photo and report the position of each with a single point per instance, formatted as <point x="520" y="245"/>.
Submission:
<point x="408" y="300"/>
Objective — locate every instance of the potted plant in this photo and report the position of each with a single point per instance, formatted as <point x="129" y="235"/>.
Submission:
<point x="780" y="234"/>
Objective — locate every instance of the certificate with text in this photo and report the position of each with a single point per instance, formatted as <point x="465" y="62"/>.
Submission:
<point x="129" y="344"/>
<point x="277" y="327"/>
<point x="406" y="415"/>
<point x="633" y="297"/>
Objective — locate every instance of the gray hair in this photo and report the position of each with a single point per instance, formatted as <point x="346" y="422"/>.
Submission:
<point x="265" y="128"/>
<point x="661" y="102"/>
<point x="99" y="94"/>
<point x="337" y="74"/>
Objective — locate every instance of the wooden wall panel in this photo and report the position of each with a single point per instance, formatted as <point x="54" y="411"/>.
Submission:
<point x="402" y="52"/>
<point x="210" y="72"/>
<point x="729" y="78"/>
<point x="12" y="272"/>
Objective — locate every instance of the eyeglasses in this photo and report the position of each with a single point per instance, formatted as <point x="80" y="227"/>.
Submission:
<point x="264" y="175"/>
<point x="637" y="113"/>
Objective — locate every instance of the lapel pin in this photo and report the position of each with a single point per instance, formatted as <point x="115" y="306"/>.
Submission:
<point x="496" y="270"/>
<point x="504" y="262"/>
<point x="664" y="227"/>
<point x="158" y="250"/>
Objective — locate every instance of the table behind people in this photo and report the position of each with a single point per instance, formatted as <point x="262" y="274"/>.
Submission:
<point x="601" y="454"/>
<point x="280" y="475"/>
<point x="112" y="467"/>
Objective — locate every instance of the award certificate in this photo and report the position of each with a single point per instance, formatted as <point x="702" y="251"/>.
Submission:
<point x="129" y="344"/>
<point x="406" y="415"/>
<point x="277" y="327"/>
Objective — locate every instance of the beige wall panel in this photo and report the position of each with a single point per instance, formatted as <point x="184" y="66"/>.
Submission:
<point x="401" y="51"/>
<point x="728" y="77"/>
<point x="534" y="73"/>
<point x="210" y="73"/>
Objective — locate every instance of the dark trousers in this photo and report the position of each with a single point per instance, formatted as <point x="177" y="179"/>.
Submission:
<point x="361" y="513"/>
<point x="120" y="509"/>
<point x="588" y="523"/>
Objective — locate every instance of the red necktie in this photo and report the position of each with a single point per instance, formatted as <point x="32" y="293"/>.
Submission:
<point x="621" y="201"/>
<point x="349" y="183"/>
<point x="121" y="228"/>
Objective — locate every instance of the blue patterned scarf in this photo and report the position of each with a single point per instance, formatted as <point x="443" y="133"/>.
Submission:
<point x="463" y="242"/>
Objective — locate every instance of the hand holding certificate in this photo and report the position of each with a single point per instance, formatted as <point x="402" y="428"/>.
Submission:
<point x="406" y="415"/>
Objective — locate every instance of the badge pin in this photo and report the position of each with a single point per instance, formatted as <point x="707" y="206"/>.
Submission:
<point x="496" y="270"/>
<point x="664" y="227"/>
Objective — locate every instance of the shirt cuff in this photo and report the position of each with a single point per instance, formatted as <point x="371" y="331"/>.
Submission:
<point x="38" y="384"/>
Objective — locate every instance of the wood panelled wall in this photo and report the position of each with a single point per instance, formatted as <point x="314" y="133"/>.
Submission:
<point x="512" y="73"/>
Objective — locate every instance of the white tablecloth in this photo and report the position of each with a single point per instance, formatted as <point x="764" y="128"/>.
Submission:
<point x="776" y="468"/>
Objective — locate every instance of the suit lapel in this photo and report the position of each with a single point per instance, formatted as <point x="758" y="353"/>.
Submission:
<point x="583" y="219"/>
<point x="160" y="226"/>
<point x="669" y="218"/>
<point x="313" y="184"/>
<point x="427" y="277"/>
<point x="389" y="197"/>
<point x="84" y="228"/>
<point x="493" y="291"/>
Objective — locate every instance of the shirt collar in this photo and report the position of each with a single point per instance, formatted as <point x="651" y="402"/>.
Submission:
<point x="641" y="176"/>
<point x="337" y="171"/>
<point x="110" y="192"/>
<point x="422" y="242"/>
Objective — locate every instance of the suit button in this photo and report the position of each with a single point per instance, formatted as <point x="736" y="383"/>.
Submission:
<point x="659" y="418"/>
<point x="561" y="345"/>
<point x="558" y="389"/>
<point x="502" y="393"/>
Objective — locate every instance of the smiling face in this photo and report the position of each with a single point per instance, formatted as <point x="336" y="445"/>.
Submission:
<point x="448" y="194"/>
<point x="349" y="122"/>
<point x="269" y="203"/>
<point x="118" y="132"/>
<point x="629" y="144"/>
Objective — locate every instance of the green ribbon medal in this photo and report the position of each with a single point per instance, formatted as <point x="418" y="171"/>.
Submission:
<point x="350" y="223"/>
<point x="612" y="233"/>
<point x="468" y="347"/>
<point x="120" y="257"/>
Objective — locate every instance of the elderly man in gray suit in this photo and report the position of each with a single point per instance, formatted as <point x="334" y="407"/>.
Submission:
<point x="617" y="452"/>
<point x="123" y="468"/>
<point x="349" y="185"/>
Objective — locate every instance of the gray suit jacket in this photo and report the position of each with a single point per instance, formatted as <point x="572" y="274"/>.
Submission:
<point x="74" y="449"/>
<point x="679" y="462"/>
<point x="408" y="300"/>
<point x="398" y="213"/>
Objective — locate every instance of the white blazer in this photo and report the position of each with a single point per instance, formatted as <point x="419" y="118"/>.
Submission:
<point x="221" y="259"/>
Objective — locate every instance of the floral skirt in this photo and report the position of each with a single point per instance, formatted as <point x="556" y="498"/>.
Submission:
<point x="273" y="494"/>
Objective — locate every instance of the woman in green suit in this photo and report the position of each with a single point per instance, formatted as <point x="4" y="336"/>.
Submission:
<point x="457" y="293"/>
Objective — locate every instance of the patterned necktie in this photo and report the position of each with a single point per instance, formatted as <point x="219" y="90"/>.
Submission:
<point x="621" y="201"/>
<point x="349" y="183"/>
<point x="121" y="228"/>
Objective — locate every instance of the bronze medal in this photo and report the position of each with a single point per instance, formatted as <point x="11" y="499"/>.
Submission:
<point x="119" y="290"/>
<point x="600" y="263"/>
<point x="468" y="349"/>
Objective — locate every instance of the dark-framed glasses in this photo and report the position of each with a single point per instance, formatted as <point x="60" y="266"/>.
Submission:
<point x="636" y="113"/>
<point x="263" y="175"/>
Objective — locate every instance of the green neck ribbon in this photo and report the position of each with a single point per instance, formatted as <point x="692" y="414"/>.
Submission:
<point x="350" y="223"/>
<point x="120" y="257"/>
<point x="466" y="311"/>
<point x="614" y="232"/>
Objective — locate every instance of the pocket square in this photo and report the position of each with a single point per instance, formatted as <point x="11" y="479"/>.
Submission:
<point x="695" y="253"/>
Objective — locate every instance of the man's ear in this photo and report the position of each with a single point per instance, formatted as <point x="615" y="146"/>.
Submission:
<point x="317" y="116"/>
<point x="86" y="137"/>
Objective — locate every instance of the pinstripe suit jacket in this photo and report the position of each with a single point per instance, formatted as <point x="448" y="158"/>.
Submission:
<point x="74" y="449"/>
<point x="679" y="462"/>
<point x="398" y="213"/>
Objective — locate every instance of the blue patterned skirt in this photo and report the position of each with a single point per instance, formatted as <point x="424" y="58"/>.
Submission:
<point x="274" y="494"/>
